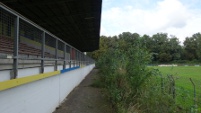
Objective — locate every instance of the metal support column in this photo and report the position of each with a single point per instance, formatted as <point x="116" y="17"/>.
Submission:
<point x="56" y="55"/>
<point x="64" y="65"/>
<point x="42" y="52"/>
<point x="15" y="49"/>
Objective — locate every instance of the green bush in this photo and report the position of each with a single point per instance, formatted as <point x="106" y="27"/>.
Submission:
<point x="130" y="85"/>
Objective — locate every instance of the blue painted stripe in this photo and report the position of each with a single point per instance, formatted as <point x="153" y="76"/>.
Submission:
<point x="69" y="69"/>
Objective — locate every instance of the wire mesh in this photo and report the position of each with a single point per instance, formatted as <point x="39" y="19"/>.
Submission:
<point x="67" y="52"/>
<point x="50" y="45"/>
<point x="60" y="53"/>
<point x="30" y="46"/>
<point x="72" y="56"/>
<point x="82" y="59"/>
<point x="78" y="58"/>
<point x="61" y="50"/>
<point x="75" y="58"/>
<point x="6" y="39"/>
<point x="6" y="32"/>
<point x="184" y="89"/>
<point x="186" y="95"/>
<point x="30" y="41"/>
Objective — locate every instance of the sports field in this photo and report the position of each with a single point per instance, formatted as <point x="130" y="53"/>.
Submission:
<point x="182" y="75"/>
<point x="184" y="86"/>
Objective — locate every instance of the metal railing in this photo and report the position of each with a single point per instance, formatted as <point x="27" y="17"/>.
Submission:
<point x="24" y="44"/>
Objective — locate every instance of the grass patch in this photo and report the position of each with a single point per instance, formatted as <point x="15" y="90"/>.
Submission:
<point x="184" y="87"/>
<point x="182" y="75"/>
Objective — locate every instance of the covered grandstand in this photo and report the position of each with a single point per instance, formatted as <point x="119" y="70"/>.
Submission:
<point x="43" y="34"/>
<point x="42" y="45"/>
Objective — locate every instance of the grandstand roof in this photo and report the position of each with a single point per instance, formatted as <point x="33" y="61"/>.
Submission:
<point x="75" y="21"/>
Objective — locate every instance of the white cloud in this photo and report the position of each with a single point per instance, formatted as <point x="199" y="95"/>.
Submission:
<point x="169" y="16"/>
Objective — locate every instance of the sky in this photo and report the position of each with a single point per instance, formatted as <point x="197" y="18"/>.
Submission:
<point x="180" y="18"/>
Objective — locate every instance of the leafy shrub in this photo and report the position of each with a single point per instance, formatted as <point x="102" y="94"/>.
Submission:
<point x="132" y="86"/>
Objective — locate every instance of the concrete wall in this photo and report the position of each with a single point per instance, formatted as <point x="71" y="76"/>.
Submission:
<point x="41" y="96"/>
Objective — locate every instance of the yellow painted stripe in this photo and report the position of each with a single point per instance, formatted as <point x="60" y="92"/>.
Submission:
<point x="24" y="80"/>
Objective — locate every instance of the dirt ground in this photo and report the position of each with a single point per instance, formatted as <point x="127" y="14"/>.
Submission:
<point x="86" y="99"/>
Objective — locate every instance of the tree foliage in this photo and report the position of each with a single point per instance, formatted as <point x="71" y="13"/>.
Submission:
<point x="130" y="84"/>
<point x="163" y="48"/>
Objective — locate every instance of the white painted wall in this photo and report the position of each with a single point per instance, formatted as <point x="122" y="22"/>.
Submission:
<point x="4" y="75"/>
<point x="28" y="72"/>
<point x="41" y="96"/>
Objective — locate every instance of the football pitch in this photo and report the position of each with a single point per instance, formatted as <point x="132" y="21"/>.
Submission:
<point x="184" y="87"/>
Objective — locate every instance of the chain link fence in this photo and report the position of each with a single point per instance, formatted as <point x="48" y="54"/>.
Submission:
<point x="185" y="91"/>
<point x="6" y="39"/>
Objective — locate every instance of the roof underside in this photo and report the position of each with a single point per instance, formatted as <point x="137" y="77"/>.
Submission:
<point x="77" y="22"/>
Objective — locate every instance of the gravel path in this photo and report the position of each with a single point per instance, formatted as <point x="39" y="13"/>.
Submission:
<point x="86" y="99"/>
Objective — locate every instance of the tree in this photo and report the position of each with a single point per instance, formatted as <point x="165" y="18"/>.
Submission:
<point x="162" y="47"/>
<point x="175" y="48"/>
<point x="198" y="45"/>
<point x="104" y="44"/>
<point x="190" y="47"/>
<point x="165" y="57"/>
<point x="160" y="44"/>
